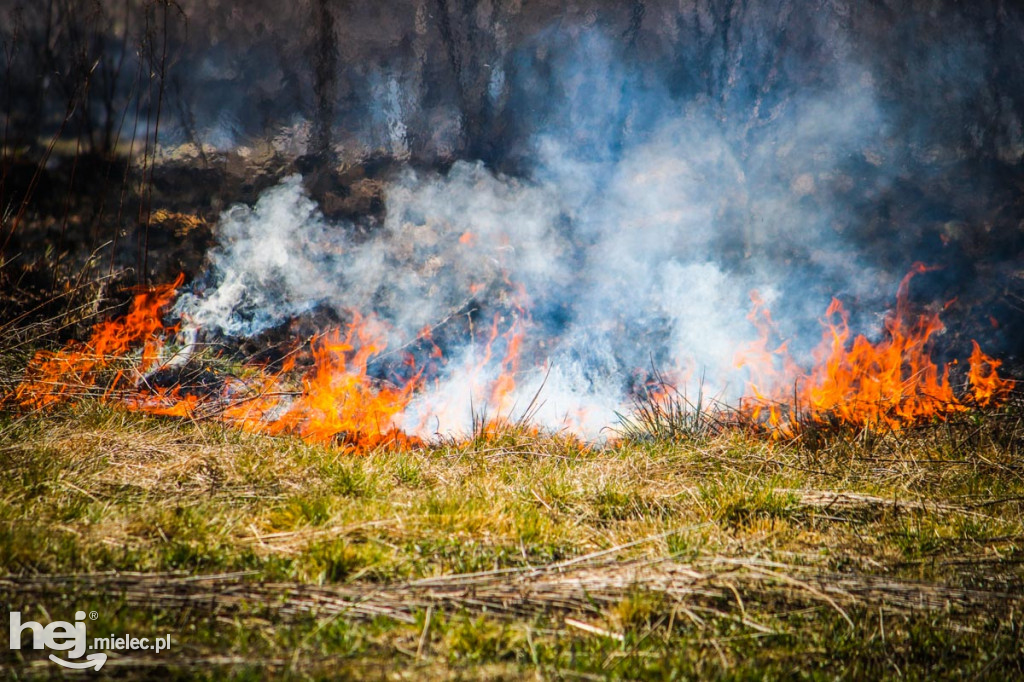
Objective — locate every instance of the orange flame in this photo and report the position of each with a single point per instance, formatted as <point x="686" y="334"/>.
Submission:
<point x="54" y="377"/>
<point x="988" y="388"/>
<point x="893" y="382"/>
<point x="339" y="401"/>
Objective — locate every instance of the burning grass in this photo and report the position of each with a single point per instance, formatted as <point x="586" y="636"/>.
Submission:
<point x="520" y="553"/>
<point x="767" y="539"/>
<point x="133" y="361"/>
<point x="859" y="385"/>
<point x="892" y="383"/>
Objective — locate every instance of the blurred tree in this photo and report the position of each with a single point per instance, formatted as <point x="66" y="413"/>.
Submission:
<point x="325" y="81"/>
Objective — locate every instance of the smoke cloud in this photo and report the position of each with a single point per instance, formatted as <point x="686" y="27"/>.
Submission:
<point x="634" y="235"/>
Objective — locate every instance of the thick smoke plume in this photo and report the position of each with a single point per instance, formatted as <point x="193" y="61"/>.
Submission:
<point x="634" y="232"/>
<point x="604" y="183"/>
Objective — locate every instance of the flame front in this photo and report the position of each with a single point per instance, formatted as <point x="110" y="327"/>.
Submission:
<point x="892" y="382"/>
<point x="75" y="371"/>
<point x="337" y="402"/>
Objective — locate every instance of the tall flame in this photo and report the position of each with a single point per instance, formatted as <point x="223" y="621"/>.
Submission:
<point x="339" y="400"/>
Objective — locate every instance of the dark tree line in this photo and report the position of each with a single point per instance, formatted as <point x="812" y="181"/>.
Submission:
<point x="462" y="78"/>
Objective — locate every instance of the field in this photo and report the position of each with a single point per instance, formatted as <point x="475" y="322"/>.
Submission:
<point x="356" y="340"/>
<point x="670" y="555"/>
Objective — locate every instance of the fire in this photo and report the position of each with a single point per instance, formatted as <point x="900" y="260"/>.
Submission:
<point x="54" y="377"/>
<point x="988" y="387"/>
<point x="893" y="382"/>
<point x="337" y="402"/>
<point x="479" y="381"/>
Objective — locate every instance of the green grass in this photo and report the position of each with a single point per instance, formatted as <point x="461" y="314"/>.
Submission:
<point x="864" y="556"/>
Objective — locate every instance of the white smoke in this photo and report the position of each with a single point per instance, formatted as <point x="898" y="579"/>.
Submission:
<point x="642" y="256"/>
<point x="269" y="267"/>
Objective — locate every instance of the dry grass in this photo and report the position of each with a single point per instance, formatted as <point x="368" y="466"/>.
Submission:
<point x="518" y="554"/>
